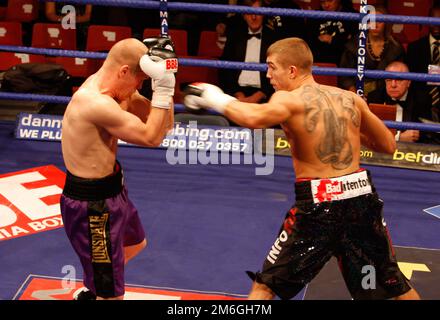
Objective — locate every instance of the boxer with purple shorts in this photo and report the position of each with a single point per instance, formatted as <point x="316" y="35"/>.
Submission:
<point x="100" y="210"/>
<point x="100" y="221"/>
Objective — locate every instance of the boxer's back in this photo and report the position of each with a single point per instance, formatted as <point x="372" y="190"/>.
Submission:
<point x="324" y="131"/>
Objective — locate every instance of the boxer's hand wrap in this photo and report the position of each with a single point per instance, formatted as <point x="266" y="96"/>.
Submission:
<point x="198" y="96"/>
<point x="160" y="63"/>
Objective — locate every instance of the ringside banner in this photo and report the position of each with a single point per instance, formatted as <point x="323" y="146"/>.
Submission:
<point x="408" y="155"/>
<point x="231" y="139"/>
<point x="30" y="201"/>
<point x="183" y="136"/>
<point x="38" y="127"/>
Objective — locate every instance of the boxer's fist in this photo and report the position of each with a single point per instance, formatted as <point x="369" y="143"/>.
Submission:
<point x="162" y="42"/>
<point x="162" y="47"/>
<point x="160" y="58"/>
<point x="199" y="96"/>
<point x="160" y="63"/>
<point x="163" y="91"/>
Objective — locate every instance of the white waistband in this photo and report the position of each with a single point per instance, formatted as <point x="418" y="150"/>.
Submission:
<point x="345" y="187"/>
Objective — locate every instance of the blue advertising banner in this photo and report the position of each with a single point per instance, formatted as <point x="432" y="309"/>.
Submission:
<point x="183" y="136"/>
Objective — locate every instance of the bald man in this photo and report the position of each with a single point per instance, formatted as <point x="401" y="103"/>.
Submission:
<point x="411" y="104"/>
<point x="101" y="223"/>
<point x="337" y="211"/>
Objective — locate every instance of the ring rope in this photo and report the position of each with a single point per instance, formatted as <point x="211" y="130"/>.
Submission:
<point x="412" y="126"/>
<point x="181" y="108"/>
<point x="347" y="72"/>
<point x="55" y="52"/>
<point x="221" y="8"/>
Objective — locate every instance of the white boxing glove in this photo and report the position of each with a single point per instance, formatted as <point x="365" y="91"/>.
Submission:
<point x="160" y="57"/>
<point x="153" y="69"/>
<point x="160" y="63"/>
<point x="199" y="96"/>
<point x="163" y="91"/>
<point x="163" y="80"/>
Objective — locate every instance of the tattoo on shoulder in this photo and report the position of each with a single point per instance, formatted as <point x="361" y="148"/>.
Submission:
<point x="335" y="109"/>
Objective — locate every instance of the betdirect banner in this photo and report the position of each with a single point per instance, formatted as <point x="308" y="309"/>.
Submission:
<point x="408" y="155"/>
<point x="237" y="140"/>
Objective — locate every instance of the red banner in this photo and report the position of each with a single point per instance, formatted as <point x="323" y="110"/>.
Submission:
<point x="29" y="201"/>
<point x="39" y="288"/>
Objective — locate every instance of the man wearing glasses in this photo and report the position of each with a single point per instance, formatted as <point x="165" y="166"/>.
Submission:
<point x="410" y="105"/>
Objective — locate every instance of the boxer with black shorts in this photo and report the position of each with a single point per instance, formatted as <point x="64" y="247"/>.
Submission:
<point x="337" y="210"/>
<point x="101" y="223"/>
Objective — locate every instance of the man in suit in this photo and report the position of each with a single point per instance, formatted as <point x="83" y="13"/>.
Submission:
<point x="411" y="105"/>
<point x="285" y="26"/>
<point x="327" y="37"/>
<point x="247" y="43"/>
<point x="421" y="54"/>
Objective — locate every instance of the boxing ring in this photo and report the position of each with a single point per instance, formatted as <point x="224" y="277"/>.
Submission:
<point x="205" y="224"/>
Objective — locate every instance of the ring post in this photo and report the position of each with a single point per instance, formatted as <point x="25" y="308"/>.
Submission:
<point x="363" y="33"/>
<point x="163" y="11"/>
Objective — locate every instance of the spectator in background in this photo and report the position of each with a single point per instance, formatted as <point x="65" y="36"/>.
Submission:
<point x="248" y="43"/>
<point x="3" y="6"/>
<point x="194" y="22"/>
<point x="139" y="19"/>
<point x="229" y="22"/>
<point x="53" y="12"/>
<point x="327" y="37"/>
<point x="382" y="49"/>
<point x="423" y="53"/>
<point x="411" y="104"/>
<point x="284" y="26"/>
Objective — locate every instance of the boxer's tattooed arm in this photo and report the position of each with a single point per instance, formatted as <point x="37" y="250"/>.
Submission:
<point x="334" y="147"/>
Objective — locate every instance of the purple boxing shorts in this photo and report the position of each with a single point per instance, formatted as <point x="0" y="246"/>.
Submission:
<point x="100" y="221"/>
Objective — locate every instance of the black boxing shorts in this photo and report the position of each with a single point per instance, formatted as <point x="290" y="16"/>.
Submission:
<point x="339" y="217"/>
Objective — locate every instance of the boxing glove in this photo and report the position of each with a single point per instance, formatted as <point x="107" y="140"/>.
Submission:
<point x="199" y="96"/>
<point x="160" y="63"/>
<point x="160" y="50"/>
